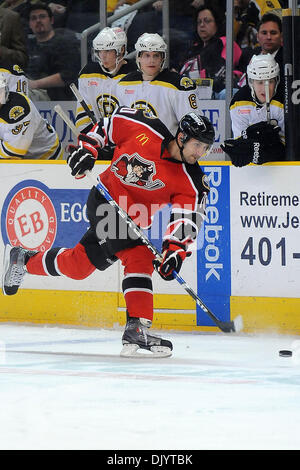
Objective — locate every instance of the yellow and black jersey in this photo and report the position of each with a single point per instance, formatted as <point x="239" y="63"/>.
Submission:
<point x="244" y="111"/>
<point x="98" y="91"/>
<point x="24" y="134"/>
<point x="169" y="96"/>
<point x="15" y="77"/>
<point x="266" y="6"/>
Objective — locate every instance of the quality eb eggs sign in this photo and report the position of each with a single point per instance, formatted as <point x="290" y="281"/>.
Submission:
<point x="37" y="217"/>
<point x="29" y="217"/>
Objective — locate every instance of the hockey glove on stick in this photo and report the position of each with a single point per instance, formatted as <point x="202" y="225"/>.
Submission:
<point x="83" y="157"/>
<point x="244" y="151"/>
<point x="174" y="253"/>
<point x="263" y="132"/>
<point x="239" y="150"/>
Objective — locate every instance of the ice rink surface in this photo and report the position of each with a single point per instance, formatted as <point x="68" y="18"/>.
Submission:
<point x="67" y="388"/>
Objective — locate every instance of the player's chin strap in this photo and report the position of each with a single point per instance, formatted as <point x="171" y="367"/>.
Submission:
<point x="181" y="147"/>
<point x="225" y="326"/>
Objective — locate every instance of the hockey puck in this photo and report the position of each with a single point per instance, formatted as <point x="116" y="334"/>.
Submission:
<point x="285" y="353"/>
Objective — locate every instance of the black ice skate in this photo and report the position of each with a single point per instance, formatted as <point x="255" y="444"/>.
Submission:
<point x="14" y="262"/>
<point x="136" y="337"/>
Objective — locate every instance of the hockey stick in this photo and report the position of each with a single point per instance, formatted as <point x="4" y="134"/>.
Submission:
<point x="66" y="119"/>
<point x="80" y="98"/>
<point x="267" y="91"/>
<point x="226" y="327"/>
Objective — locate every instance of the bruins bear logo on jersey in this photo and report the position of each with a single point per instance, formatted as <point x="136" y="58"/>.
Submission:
<point x="16" y="112"/>
<point x="186" y="82"/>
<point x="107" y="104"/>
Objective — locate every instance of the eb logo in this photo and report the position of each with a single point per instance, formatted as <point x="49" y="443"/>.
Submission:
<point x="29" y="218"/>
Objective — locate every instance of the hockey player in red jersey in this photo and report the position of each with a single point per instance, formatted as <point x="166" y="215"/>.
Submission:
<point x="150" y="168"/>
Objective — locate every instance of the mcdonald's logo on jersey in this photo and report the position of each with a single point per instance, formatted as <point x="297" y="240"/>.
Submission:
<point x="143" y="138"/>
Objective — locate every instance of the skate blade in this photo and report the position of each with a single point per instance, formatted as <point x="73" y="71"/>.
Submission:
<point x="133" y="350"/>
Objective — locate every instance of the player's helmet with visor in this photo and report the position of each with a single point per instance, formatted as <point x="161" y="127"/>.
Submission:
<point x="262" y="67"/>
<point x="198" y="127"/>
<point x="195" y="126"/>
<point x="4" y="91"/>
<point x="151" y="42"/>
<point x="110" y="39"/>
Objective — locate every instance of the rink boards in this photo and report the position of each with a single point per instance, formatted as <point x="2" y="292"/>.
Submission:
<point x="246" y="262"/>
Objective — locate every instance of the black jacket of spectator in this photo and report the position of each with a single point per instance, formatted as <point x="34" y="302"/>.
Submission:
<point x="61" y="54"/>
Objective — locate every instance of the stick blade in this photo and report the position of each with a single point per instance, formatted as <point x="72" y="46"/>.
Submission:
<point x="231" y="326"/>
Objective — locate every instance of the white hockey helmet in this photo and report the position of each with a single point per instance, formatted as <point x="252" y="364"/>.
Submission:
<point x="262" y="67"/>
<point x="110" y="39"/>
<point x="151" y="42"/>
<point x="4" y="91"/>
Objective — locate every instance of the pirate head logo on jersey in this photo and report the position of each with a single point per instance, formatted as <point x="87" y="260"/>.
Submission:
<point x="136" y="171"/>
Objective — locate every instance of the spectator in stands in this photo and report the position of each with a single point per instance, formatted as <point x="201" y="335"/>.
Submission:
<point x="269" y="37"/>
<point x="247" y="17"/>
<point x="12" y="38"/>
<point x="208" y="51"/>
<point x="257" y="116"/>
<point x="54" y="57"/>
<point x="22" y="7"/>
<point x="149" y="19"/>
<point x="153" y="87"/>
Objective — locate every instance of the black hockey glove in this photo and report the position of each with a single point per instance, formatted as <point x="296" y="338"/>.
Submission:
<point x="263" y="132"/>
<point x="244" y="151"/>
<point x="83" y="157"/>
<point x="239" y="150"/>
<point x="174" y="253"/>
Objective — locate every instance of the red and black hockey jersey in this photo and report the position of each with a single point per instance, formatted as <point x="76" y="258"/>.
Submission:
<point x="143" y="177"/>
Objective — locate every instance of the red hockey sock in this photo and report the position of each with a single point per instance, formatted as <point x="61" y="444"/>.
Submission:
<point x="70" y="262"/>
<point x="137" y="282"/>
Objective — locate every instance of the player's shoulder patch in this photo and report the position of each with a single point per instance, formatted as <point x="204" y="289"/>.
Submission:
<point x="16" y="108"/>
<point x="205" y="181"/>
<point x="199" y="178"/>
<point x="180" y="82"/>
<point x="13" y="69"/>
<point x="187" y="83"/>
<point x="17" y="70"/>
